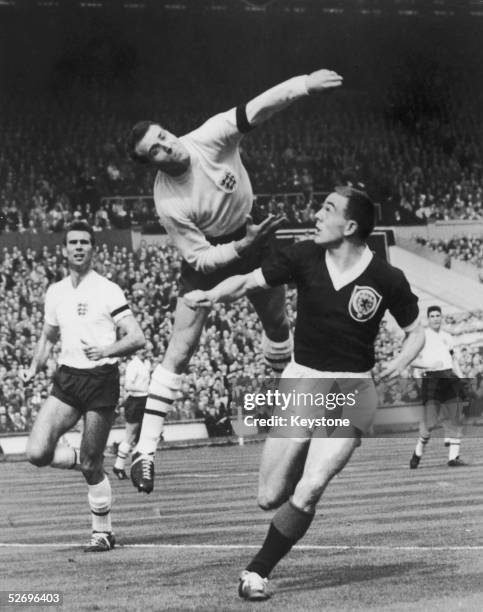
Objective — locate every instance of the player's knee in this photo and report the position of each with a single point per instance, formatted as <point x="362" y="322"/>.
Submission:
<point x="278" y="327"/>
<point x="90" y="467"/>
<point x="177" y="357"/>
<point x="309" y="489"/>
<point x="269" y="499"/>
<point x="38" y="455"/>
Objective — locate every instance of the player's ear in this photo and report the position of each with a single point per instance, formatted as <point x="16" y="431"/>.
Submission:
<point x="351" y="228"/>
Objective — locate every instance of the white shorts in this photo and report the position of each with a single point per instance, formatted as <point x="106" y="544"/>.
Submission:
<point x="324" y="404"/>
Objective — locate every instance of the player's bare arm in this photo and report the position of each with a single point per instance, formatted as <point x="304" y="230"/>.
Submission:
<point x="48" y="338"/>
<point x="279" y="97"/>
<point x="412" y="345"/>
<point x="132" y="341"/>
<point x="229" y="290"/>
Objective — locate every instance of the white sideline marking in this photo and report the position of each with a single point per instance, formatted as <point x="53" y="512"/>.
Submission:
<point x="213" y="475"/>
<point x="251" y="546"/>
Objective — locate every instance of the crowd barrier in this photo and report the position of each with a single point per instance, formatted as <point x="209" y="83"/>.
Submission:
<point x="15" y="444"/>
<point x="389" y="419"/>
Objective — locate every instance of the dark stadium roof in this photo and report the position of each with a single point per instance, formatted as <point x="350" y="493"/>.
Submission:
<point x="403" y="8"/>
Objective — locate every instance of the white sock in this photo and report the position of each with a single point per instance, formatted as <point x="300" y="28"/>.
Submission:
<point x="454" y="448"/>
<point x="277" y="354"/>
<point x="99" y="496"/>
<point x="65" y="458"/>
<point x="123" y="451"/>
<point x="163" y="390"/>
<point x="421" y="445"/>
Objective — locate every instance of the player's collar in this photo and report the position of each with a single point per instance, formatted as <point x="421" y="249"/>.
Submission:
<point x="341" y="279"/>
<point x="84" y="280"/>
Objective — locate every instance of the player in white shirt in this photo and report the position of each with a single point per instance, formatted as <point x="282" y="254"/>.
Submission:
<point x="442" y="391"/>
<point x="136" y="383"/>
<point x="85" y="309"/>
<point x="203" y="197"/>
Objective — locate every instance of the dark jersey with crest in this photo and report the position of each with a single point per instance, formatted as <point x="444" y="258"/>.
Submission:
<point x="336" y="329"/>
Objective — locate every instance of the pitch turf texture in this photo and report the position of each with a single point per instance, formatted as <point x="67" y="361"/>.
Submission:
<point x="385" y="538"/>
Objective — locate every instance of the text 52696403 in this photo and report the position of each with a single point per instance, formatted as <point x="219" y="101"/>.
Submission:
<point x="30" y="598"/>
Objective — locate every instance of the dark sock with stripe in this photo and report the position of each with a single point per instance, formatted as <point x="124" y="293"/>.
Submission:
<point x="288" y="526"/>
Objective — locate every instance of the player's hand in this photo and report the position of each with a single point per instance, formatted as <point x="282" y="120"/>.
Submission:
<point x="256" y="232"/>
<point x="391" y="369"/>
<point x="94" y="353"/>
<point x="197" y="299"/>
<point x="320" y="80"/>
<point x="26" y="376"/>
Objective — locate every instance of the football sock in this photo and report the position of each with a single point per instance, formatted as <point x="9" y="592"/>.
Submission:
<point x="123" y="451"/>
<point x="65" y="458"/>
<point x="421" y="445"/>
<point x="163" y="390"/>
<point x="99" y="496"/>
<point x="454" y="448"/>
<point x="277" y="354"/>
<point x="287" y="527"/>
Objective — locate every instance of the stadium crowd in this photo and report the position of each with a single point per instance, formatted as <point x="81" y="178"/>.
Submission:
<point x="465" y="248"/>
<point x="400" y="125"/>
<point x="416" y="177"/>
<point x="227" y="364"/>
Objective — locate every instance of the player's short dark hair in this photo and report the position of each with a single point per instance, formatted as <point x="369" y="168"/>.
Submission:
<point x="80" y="226"/>
<point x="134" y="138"/>
<point x="360" y="208"/>
<point x="433" y="309"/>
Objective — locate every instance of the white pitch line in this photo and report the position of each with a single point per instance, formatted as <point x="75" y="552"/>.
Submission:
<point x="255" y="547"/>
<point x="213" y="475"/>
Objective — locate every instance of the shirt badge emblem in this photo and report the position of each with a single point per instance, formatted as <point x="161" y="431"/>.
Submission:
<point x="228" y="182"/>
<point x="364" y="303"/>
<point x="82" y="309"/>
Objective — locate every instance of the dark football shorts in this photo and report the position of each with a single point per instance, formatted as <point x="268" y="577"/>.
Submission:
<point x="441" y="386"/>
<point x="134" y="408"/>
<point x="191" y="279"/>
<point x="87" y="389"/>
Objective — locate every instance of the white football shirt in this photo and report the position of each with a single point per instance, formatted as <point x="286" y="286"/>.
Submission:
<point x="212" y="198"/>
<point x="89" y="313"/>
<point x="436" y="348"/>
<point x="136" y="378"/>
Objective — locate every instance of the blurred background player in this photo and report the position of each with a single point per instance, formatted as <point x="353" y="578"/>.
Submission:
<point x="203" y="197"/>
<point x="136" y="382"/>
<point x="343" y="291"/>
<point x="442" y="391"/>
<point x="85" y="309"/>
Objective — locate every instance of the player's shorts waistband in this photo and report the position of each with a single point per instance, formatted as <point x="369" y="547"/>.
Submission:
<point x="226" y="238"/>
<point x="439" y="373"/>
<point x="102" y="370"/>
<point x="297" y="370"/>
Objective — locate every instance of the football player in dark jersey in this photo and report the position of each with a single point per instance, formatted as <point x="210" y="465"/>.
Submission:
<point x="343" y="292"/>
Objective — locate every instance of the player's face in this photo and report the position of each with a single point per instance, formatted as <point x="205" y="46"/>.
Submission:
<point x="331" y="224"/>
<point x="434" y="320"/>
<point x="79" y="250"/>
<point x="164" y="150"/>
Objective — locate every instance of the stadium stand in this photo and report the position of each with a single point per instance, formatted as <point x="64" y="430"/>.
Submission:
<point x="227" y="364"/>
<point x="413" y="144"/>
